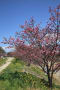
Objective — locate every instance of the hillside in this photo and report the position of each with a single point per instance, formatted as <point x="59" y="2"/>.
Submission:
<point x="18" y="76"/>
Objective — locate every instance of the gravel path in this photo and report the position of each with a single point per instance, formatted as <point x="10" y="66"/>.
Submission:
<point x="9" y="59"/>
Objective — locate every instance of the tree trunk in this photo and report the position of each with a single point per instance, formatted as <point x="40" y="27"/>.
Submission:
<point x="50" y="81"/>
<point x="50" y="75"/>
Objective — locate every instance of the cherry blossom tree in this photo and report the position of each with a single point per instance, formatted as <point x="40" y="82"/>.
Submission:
<point x="39" y="46"/>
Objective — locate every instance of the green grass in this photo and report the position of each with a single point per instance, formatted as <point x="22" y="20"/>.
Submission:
<point x="17" y="76"/>
<point x="18" y="80"/>
<point x="2" y="61"/>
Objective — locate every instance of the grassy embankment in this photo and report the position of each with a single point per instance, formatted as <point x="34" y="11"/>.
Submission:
<point x="18" y="76"/>
<point x="3" y="61"/>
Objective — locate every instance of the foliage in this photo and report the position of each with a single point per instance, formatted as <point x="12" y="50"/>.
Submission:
<point x="22" y="79"/>
<point x="2" y="61"/>
<point x="2" y="50"/>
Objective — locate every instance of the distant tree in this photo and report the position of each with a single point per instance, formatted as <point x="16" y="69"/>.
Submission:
<point x="40" y="46"/>
<point x="2" y="52"/>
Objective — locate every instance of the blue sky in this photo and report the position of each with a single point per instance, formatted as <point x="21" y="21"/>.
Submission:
<point x="15" y="12"/>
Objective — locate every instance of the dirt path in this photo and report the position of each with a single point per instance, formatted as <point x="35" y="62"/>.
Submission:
<point x="9" y="59"/>
<point x="57" y="76"/>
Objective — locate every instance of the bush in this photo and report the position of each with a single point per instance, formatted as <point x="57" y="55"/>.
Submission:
<point x="20" y="80"/>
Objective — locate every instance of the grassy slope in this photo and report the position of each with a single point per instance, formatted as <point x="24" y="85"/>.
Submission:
<point x="20" y="77"/>
<point x="2" y="61"/>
